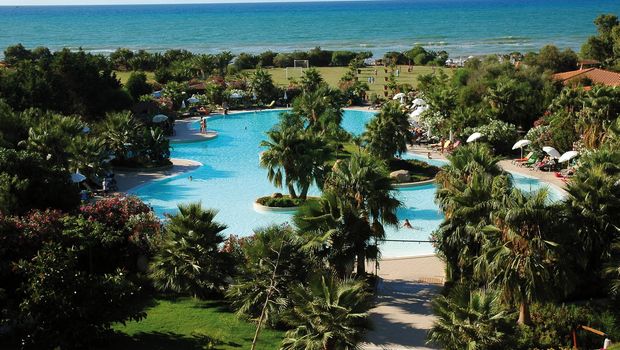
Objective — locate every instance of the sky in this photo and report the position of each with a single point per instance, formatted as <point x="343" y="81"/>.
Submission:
<point x="118" y="2"/>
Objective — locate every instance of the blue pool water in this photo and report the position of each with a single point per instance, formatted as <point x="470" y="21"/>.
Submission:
<point x="231" y="179"/>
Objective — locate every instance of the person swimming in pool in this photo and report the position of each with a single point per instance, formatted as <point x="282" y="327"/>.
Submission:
<point x="407" y="224"/>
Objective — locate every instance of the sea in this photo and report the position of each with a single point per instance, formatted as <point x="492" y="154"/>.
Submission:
<point x="460" y="27"/>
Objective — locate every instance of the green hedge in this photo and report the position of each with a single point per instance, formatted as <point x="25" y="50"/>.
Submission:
<point x="282" y="202"/>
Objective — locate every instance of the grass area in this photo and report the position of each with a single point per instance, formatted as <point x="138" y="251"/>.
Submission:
<point x="189" y="324"/>
<point x="332" y="75"/>
<point x="124" y="76"/>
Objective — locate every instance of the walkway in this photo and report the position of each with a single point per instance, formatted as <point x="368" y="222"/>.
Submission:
<point x="183" y="132"/>
<point x="127" y="180"/>
<point x="403" y="314"/>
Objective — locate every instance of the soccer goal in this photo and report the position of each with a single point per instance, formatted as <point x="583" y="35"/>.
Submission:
<point x="297" y="69"/>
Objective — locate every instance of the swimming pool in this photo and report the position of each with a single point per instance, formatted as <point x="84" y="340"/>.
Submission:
<point x="230" y="180"/>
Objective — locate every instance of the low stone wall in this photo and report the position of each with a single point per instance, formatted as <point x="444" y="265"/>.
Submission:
<point x="413" y="184"/>
<point x="263" y="208"/>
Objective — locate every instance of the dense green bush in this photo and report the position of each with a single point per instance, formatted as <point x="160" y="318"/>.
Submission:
<point x="281" y="202"/>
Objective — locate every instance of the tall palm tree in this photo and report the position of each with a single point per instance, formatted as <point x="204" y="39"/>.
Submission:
<point x="189" y="259"/>
<point x="327" y="314"/>
<point x="466" y="319"/>
<point x="363" y="184"/>
<point x="388" y="133"/>
<point x="522" y="260"/>
<point x="593" y="204"/>
<point x="280" y="156"/>
<point x="466" y="191"/>
<point x="329" y="229"/>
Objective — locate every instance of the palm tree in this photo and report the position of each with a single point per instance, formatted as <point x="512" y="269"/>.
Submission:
<point x="189" y="259"/>
<point x="328" y="314"/>
<point x="593" y="204"/>
<point x="329" y="229"/>
<point x="87" y="154"/>
<point x="362" y="183"/>
<point x="280" y="157"/>
<point x="466" y="191"/>
<point x="612" y="269"/>
<point x="468" y="319"/>
<point x="311" y="80"/>
<point x="120" y="132"/>
<point x="521" y="260"/>
<point x="273" y="263"/>
<point x="294" y="157"/>
<point x="388" y="133"/>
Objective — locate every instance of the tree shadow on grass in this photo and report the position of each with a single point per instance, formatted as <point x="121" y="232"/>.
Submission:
<point x="165" y="341"/>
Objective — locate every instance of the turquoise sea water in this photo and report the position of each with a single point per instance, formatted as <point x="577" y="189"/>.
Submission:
<point x="231" y="179"/>
<point x="461" y="27"/>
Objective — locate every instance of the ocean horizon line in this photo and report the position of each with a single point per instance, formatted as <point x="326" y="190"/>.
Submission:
<point x="224" y="2"/>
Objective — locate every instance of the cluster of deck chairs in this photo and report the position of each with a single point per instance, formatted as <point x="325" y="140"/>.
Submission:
<point x="445" y="146"/>
<point x="535" y="162"/>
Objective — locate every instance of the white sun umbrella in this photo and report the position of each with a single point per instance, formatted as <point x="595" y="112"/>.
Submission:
<point x="552" y="151"/>
<point x="418" y="111"/>
<point x="77" y="178"/>
<point x="182" y="104"/>
<point x="398" y="96"/>
<point x="235" y="95"/>
<point x="285" y="96"/>
<point x="473" y="137"/>
<point x="520" y="144"/>
<point x="193" y="99"/>
<point x="568" y="156"/>
<point x="160" y="118"/>
<point x="419" y="102"/>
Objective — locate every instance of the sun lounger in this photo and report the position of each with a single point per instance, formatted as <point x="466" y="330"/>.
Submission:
<point x="531" y="162"/>
<point x="273" y="103"/>
<point x="524" y="159"/>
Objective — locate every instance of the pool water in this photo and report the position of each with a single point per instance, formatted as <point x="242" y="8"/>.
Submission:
<point x="231" y="179"/>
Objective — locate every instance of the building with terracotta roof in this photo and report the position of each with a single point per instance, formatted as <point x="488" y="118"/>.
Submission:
<point x="594" y="75"/>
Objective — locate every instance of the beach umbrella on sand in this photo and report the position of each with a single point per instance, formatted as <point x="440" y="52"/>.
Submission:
<point x="160" y="118"/>
<point x="77" y="178"/>
<point x="552" y="151"/>
<point x="568" y="156"/>
<point x="520" y="144"/>
<point x="473" y="137"/>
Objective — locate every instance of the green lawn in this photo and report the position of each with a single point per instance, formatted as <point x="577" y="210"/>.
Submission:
<point x="333" y="74"/>
<point x="188" y="324"/>
<point x="124" y="76"/>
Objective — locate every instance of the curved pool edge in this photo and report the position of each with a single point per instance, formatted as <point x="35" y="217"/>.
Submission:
<point x="189" y="162"/>
<point x="413" y="184"/>
<point x="265" y="209"/>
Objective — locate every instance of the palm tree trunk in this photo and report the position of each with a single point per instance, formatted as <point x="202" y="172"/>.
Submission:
<point x="304" y="192"/>
<point x="291" y="191"/>
<point x="524" y="313"/>
<point x="361" y="262"/>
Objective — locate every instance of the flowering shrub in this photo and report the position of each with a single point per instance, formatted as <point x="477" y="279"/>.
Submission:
<point x="540" y="136"/>
<point x="115" y="211"/>
<point x="498" y="133"/>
